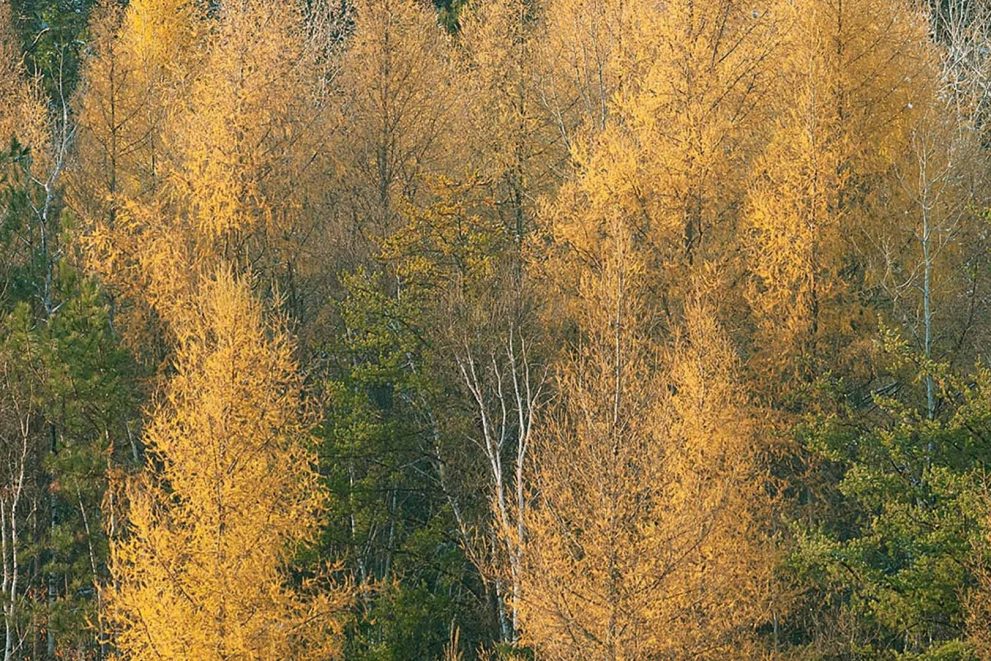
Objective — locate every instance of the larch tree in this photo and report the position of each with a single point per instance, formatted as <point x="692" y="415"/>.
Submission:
<point x="793" y="216"/>
<point x="581" y="43"/>
<point x="139" y="68"/>
<point x="513" y="135"/>
<point x="244" y="142"/>
<point x="397" y="76"/>
<point x="643" y="539"/>
<point x="230" y="494"/>
<point x="681" y="132"/>
<point x="853" y="79"/>
<point x="140" y="60"/>
<point x="251" y="134"/>
<point x="23" y="116"/>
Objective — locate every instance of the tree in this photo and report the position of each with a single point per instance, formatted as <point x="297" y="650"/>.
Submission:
<point x="23" y="115"/>
<point x="642" y="541"/>
<point x="850" y="74"/>
<point x="794" y="219"/>
<point x="891" y="554"/>
<point x="400" y="508"/>
<point x="514" y="140"/>
<point x="683" y="128"/>
<point x="136" y="74"/>
<point x="462" y="268"/>
<point x="230" y="169"/>
<point x="249" y="136"/>
<point x="578" y="54"/>
<point x="230" y="493"/>
<point x="139" y="68"/>
<point x="396" y="73"/>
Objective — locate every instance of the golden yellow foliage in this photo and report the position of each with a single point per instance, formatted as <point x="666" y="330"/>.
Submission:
<point x="227" y="166"/>
<point x="582" y="43"/>
<point x="22" y="107"/>
<point x="229" y="495"/>
<point x="515" y="147"/>
<point x="673" y="158"/>
<point x="645" y="540"/>
<point x="978" y="611"/>
<point x="794" y="219"/>
<point x="397" y="75"/>
<point x="161" y="36"/>
<point x="853" y="79"/>
<point x="130" y="86"/>
<point x="251" y="131"/>
<point x="142" y="56"/>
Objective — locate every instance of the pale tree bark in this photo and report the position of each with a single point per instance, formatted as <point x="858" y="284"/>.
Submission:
<point x="938" y="182"/>
<point x="963" y="27"/>
<point x="506" y="392"/>
<point x="45" y="211"/>
<point x="15" y="439"/>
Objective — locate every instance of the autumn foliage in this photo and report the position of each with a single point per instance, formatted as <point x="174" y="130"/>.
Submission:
<point x="200" y="570"/>
<point x="552" y="329"/>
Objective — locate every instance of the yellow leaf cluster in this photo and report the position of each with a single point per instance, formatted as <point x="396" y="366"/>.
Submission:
<point x="197" y="170"/>
<point x="645" y="541"/>
<point x="251" y="129"/>
<point x="142" y="56"/>
<point x="683" y="126"/>
<point x="396" y="124"/>
<point x="853" y="81"/>
<point x="22" y="107"/>
<point x="200" y="572"/>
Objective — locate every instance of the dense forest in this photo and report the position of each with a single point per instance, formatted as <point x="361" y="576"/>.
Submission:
<point x="498" y="329"/>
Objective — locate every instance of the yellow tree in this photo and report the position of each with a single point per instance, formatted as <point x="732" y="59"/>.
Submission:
<point x="22" y="106"/>
<point x="136" y="75"/>
<point x="229" y="495"/>
<point x="396" y="75"/>
<point x="250" y="134"/>
<point x="854" y="78"/>
<point x="244" y="142"/>
<point x="142" y="55"/>
<point x="514" y="144"/>
<point x="683" y="128"/>
<point x="645" y="539"/>
<point x="795" y="222"/>
<point x="578" y="55"/>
